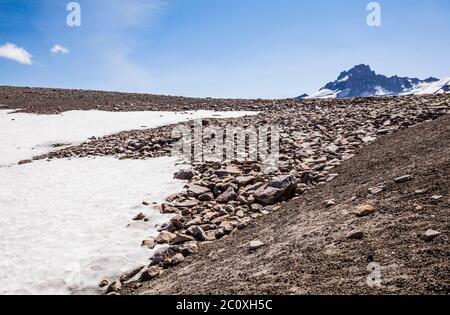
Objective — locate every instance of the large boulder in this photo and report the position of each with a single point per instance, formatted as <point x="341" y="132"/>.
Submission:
<point x="279" y="189"/>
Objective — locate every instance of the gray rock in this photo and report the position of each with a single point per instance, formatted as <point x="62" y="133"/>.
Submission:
<point x="280" y="189"/>
<point x="430" y="235"/>
<point x="355" y="235"/>
<point x="403" y="179"/>
<point x="115" y="287"/>
<point x="227" y="196"/>
<point x="196" y="190"/>
<point x="254" y="245"/>
<point x="184" y="175"/>
<point x="150" y="274"/>
<point x="198" y="233"/>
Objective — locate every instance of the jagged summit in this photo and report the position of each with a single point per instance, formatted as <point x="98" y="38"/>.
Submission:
<point x="362" y="81"/>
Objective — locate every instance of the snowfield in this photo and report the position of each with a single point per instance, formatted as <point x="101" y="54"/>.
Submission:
<point x="26" y="135"/>
<point x="67" y="224"/>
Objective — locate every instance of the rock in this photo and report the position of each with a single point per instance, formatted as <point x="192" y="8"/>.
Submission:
<point x="189" y="203"/>
<point x="244" y="180"/>
<point x="182" y="238"/>
<point x="139" y="217"/>
<point x="184" y="175"/>
<point x="196" y="190"/>
<point x="173" y="261"/>
<point x="377" y="190"/>
<point x="280" y="189"/>
<point x="254" y="245"/>
<point x="150" y="274"/>
<point x="364" y="210"/>
<point x="165" y="237"/>
<point x="330" y="203"/>
<point x="188" y="249"/>
<point x="436" y="198"/>
<point x="178" y="221"/>
<point x="103" y="283"/>
<point x="420" y="192"/>
<point x="198" y="233"/>
<point x="206" y="197"/>
<point x="227" y="196"/>
<point x="355" y="235"/>
<point x="430" y="235"/>
<point x="230" y="170"/>
<point x="403" y="179"/>
<point x="25" y="162"/>
<point x="130" y="274"/>
<point x="196" y="221"/>
<point x="115" y="287"/>
<point x="148" y="243"/>
<point x="168" y="209"/>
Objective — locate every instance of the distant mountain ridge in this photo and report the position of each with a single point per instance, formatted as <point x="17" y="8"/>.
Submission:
<point x="362" y="81"/>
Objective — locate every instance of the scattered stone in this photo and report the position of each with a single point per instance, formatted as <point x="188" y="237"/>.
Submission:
<point x="254" y="245"/>
<point x="245" y="180"/>
<point x="330" y="203"/>
<point x="182" y="238"/>
<point x="165" y="237"/>
<point x="227" y="196"/>
<point x="184" y="175"/>
<point x="206" y="197"/>
<point x="196" y="190"/>
<point x="198" y="233"/>
<point x="436" y="198"/>
<point x="150" y="274"/>
<point x="149" y="244"/>
<point x="25" y="162"/>
<point x="230" y="170"/>
<point x="130" y="274"/>
<point x="403" y="179"/>
<point x="139" y="217"/>
<point x="377" y="190"/>
<point x="280" y="189"/>
<point x="115" y="287"/>
<point x="355" y="235"/>
<point x="430" y="235"/>
<point x="178" y="221"/>
<point x="364" y="210"/>
<point x="173" y="261"/>
<point x="186" y="203"/>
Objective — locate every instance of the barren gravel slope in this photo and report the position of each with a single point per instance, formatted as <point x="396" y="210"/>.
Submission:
<point x="307" y="250"/>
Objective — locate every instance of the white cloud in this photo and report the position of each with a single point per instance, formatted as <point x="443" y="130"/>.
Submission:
<point x="58" y="49"/>
<point x="11" y="51"/>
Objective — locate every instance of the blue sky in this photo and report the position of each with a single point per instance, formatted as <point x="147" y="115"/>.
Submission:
<point x="220" y="48"/>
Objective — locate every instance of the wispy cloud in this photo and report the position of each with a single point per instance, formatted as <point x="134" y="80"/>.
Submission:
<point x="58" y="49"/>
<point x="11" y="51"/>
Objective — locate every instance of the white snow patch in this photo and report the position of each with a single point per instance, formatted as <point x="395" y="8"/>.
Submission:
<point x="344" y="79"/>
<point x="64" y="223"/>
<point x="379" y="91"/>
<point x="429" y="88"/>
<point x="325" y="93"/>
<point x="26" y="135"/>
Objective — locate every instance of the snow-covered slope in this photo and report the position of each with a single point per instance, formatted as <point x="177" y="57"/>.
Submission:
<point x="67" y="224"/>
<point x="361" y="81"/>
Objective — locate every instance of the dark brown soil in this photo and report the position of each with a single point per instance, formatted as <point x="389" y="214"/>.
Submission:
<point x="307" y="250"/>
